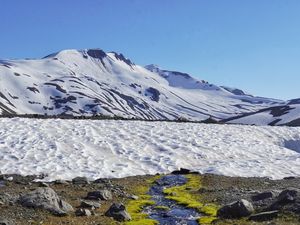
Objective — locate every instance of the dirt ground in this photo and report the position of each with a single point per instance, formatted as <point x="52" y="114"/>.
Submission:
<point x="215" y="189"/>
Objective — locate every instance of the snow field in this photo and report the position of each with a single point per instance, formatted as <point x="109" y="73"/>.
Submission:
<point x="64" y="149"/>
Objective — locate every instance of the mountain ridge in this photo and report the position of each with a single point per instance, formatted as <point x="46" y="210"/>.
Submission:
<point x="94" y="82"/>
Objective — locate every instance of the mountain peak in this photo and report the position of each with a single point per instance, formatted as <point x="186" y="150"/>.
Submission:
<point x="96" y="53"/>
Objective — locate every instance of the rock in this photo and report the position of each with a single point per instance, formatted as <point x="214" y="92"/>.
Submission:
<point x="83" y="212"/>
<point x="118" y="212"/>
<point x="119" y="191"/>
<point x="43" y="184"/>
<point x="99" y="195"/>
<point x="5" y="222"/>
<point x="286" y="199"/>
<point x="46" y="198"/>
<point x="182" y="171"/>
<point x="90" y="204"/>
<point x="264" y="216"/>
<point x="4" y="177"/>
<point x="236" y="209"/>
<point x="102" y="181"/>
<point x="80" y="180"/>
<point x="8" y="199"/>
<point x="289" y="178"/>
<point x="262" y="196"/>
<point x="9" y="178"/>
<point x="60" y="182"/>
<point x="287" y="196"/>
<point x="134" y="197"/>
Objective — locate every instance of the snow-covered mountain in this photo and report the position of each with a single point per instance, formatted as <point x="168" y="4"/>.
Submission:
<point x="93" y="82"/>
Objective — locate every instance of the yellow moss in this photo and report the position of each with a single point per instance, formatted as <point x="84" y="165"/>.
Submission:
<point x="135" y="207"/>
<point x="153" y="179"/>
<point x="206" y="220"/>
<point x="185" y="195"/>
<point x="209" y="209"/>
<point x="182" y="194"/>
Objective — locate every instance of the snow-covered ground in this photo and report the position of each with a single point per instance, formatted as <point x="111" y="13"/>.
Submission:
<point x="64" y="149"/>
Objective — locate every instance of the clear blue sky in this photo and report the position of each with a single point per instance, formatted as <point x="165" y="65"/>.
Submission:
<point x="250" y="44"/>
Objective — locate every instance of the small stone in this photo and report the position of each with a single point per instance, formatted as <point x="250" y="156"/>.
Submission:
<point x="236" y="209"/>
<point x="83" y="212"/>
<point x="90" y="204"/>
<point x="134" y="197"/>
<point x="118" y="212"/>
<point x="9" y="178"/>
<point x="264" y="216"/>
<point x="43" y="184"/>
<point x="102" y="181"/>
<point x="99" y="195"/>
<point x="80" y="180"/>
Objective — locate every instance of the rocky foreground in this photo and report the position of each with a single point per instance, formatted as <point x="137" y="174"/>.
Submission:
<point x="210" y="199"/>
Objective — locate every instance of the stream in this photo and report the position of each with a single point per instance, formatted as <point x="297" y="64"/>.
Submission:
<point x="176" y="214"/>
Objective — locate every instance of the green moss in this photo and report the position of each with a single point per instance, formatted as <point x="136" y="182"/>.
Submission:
<point x="135" y="207"/>
<point x="186" y="195"/>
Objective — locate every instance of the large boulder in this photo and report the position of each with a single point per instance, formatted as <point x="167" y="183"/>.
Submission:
<point x="287" y="196"/>
<point x="236" y="209"/>
<point x="46" y="198"/>
<point x="288" y="200"/>
<point x="99" y="195"/>
<point x="118" y="212"/>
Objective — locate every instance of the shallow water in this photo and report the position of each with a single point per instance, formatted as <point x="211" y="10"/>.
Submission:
<point x="177" y="214"/>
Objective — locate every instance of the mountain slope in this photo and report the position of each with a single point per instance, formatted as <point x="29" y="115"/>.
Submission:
<point x="93" y="82"/>
<point x="288" y="114"/>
